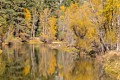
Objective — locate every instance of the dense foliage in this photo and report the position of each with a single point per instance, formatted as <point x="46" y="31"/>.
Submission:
<point x="88" y="25"/>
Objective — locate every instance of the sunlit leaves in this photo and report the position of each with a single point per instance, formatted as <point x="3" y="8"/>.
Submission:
<point x="110" y="13"/>
<point x="52" y="25"/>
<point x="62" y="8"/>
<point x="110" y="9"/>
<point x="81" y="24"/>
<point x="27" y="14"/>
<point x="111" y="36"/>
<point x="27" y="17"/>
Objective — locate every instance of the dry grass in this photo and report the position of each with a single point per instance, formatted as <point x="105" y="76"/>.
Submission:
<point x="112" y="64"/>
<point x="34" y="41"/>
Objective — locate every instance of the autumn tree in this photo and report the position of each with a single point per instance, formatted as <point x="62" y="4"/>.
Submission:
<point x="48" y="26"/>
<point x="65" y="33"/>
<point x="75" y="22"/>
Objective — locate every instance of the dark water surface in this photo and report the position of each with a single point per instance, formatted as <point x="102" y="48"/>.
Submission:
<point x="39" y="62"/>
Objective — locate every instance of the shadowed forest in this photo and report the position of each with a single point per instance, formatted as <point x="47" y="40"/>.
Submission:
<point x="82" y="27"/>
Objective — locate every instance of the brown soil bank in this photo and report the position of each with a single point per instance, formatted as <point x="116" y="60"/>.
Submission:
<point x="112" y="64"/>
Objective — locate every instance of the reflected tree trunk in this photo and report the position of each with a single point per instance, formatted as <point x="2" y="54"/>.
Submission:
<point x="33" y="62"/>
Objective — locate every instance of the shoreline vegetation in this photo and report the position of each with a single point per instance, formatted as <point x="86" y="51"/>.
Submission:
<point x="112" y="64"/>
<point x="36" y="41"/>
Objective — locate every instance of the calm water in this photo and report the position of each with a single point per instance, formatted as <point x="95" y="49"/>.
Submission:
<point x="39" y="62"/>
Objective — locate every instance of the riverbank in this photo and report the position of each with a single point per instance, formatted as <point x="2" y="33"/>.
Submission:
<point x="36" y="41"/>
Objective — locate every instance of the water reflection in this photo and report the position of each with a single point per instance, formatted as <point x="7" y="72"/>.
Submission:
<point x="39" y="62"/>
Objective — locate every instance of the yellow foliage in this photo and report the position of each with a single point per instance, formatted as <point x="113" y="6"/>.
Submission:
<point x="78" y="18"/>
<point x="61" y="17"/>
<point x="52" y="24"/>
<point x="91" y="33"/>
<point x="74" y="6"/>
<point x="62" y="8"/>
<point x="96" y="4"/>
<point x="60" y="66"/>
<point x="27" y="17"/>
<point x="27" y="14"/>
<point x="111" y="36"/>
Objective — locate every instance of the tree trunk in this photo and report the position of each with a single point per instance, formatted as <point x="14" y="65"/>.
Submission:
<point x="34" y="21"/>
<point x="118" y="35"/>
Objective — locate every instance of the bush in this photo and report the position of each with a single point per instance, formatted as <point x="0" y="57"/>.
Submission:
<point x="112" y="64"/>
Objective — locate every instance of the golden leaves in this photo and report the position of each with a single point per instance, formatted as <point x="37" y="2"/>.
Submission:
<point x="74" y="6"/>
<point x="62" y="8"/>
<point x="27" y="14"/>
<point x="52" y="24"/>
<point x="111" y="36"/>
<point x="52" y="21"/>
<point x="79" y="19"/>
<point x="27" y="17"/>
<point x="61" y="17"/>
